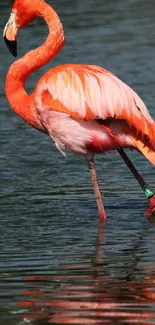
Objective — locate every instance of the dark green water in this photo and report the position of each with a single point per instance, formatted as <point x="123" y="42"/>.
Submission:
<point x="57" y="263"/>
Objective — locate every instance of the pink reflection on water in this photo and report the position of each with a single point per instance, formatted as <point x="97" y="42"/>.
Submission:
<point x="91" y="298"/>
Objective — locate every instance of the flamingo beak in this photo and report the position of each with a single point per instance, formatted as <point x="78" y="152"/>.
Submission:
<point x="9" y="35"/>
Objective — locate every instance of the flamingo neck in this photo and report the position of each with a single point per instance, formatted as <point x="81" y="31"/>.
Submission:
<point x="19" y="100"/>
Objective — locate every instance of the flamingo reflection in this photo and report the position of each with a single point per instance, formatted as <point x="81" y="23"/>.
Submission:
<point x="87" y="294"/>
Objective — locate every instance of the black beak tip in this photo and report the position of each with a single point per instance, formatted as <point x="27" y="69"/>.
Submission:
<point x="11" y="45"/>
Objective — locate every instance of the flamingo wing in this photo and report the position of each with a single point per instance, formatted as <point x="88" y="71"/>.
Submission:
<point x="91" y="92"/>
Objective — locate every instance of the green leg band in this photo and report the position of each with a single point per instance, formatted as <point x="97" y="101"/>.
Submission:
<point x="147" y="191"/>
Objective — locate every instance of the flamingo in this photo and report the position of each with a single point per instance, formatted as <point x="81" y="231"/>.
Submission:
<point x="84" y="108"/>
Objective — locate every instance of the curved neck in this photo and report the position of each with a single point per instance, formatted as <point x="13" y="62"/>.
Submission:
<point x="19" y="100"/>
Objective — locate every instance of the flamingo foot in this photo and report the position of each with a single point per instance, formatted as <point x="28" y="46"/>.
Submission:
<point x="150" y="211"/>
<point x="102" y="215"/>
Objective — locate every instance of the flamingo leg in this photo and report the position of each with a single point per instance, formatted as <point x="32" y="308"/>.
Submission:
<point x="97" y="192"/>
<point x="145" y="187"/>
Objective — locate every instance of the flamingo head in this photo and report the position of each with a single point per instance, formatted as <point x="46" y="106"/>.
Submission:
<point x="23" y="13"/>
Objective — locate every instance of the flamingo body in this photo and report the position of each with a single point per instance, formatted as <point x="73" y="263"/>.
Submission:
<point x="72" y="99"/>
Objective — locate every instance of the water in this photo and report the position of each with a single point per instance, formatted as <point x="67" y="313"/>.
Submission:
<point x="57" y="263"/>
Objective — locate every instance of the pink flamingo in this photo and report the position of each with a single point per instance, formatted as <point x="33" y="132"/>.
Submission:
<point x="84" y="108"/>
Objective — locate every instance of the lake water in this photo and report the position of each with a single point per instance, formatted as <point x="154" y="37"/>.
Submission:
<point x="58" y="264"/>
